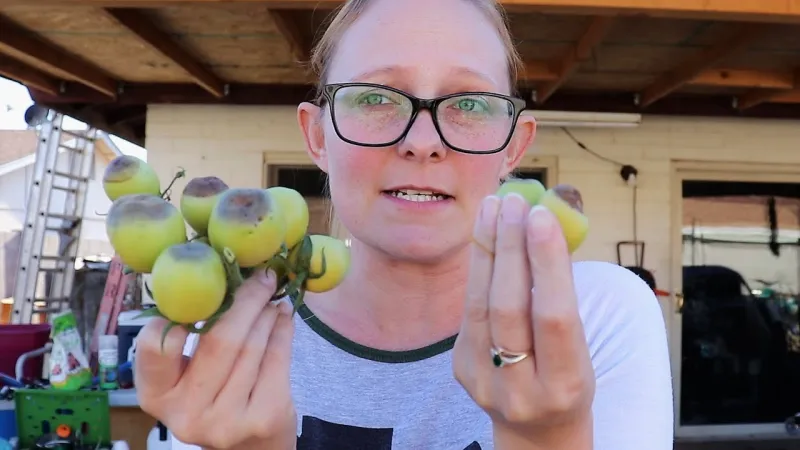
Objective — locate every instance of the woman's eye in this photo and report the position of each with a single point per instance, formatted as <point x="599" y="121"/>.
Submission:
<point x="373" y="99"/>
<point x="471" y="105"/>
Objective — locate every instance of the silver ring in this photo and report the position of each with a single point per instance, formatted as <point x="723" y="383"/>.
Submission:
<point x="502" y="357"/>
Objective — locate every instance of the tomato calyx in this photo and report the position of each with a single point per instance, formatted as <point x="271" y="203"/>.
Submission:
<point x="293" y="268"/>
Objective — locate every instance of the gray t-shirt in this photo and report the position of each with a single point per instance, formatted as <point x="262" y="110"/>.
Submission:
<point x="350" y="397"/>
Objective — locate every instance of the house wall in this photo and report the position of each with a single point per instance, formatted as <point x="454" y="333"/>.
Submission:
<point x="14" y="189"/>
<point x="231" y="142"/>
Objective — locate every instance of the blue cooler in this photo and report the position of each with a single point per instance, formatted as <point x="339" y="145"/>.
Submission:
<point x="128" y="327"/>
<point x="8" y="420"/>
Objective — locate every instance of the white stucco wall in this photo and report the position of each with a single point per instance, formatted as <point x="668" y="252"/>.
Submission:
<point x="14" y="189"/>
<point x="232" y="141"/>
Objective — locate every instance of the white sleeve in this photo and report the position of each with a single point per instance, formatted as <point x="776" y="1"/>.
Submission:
<point x="626" y="333"/>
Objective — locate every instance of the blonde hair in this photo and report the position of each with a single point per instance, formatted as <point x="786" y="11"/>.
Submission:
<point x="346" y="15"/>
<point x="341" y="20"/>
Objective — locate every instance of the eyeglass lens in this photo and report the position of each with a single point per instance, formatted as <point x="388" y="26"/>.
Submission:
<point x="374" y="116"/>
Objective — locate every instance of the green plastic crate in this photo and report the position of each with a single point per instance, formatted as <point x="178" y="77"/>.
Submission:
<point x="41" y="411"/>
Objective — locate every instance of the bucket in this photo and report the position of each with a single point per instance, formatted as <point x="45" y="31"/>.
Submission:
<point x="18" y="339"/>
<point x="8" y="421"/>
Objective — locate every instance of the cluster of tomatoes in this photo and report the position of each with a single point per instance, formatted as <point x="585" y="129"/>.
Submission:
<point x="236" y="231"/>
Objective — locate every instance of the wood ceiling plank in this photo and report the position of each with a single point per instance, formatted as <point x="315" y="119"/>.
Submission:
<point x="14" y="38"/>
<point x="777" y="11"/>
<point x="689" y="69"/>
<point x="581" y="51"/>
<point x="28" y="76"/>
<point x="139" y="24"/>
<point x="287" y="23"/>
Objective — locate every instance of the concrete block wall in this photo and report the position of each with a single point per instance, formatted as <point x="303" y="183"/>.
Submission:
<point x="232" y="141"/>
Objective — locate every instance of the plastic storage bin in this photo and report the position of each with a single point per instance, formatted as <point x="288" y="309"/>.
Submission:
<point x="41" y="411"/>
<point x="18" y="339"/>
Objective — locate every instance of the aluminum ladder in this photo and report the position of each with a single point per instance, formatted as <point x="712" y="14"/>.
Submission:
<point x="63" y="169"/>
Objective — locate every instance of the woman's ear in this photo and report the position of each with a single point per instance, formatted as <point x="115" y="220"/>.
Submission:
<point x="523" y="137"/>
<point x="309" y="116"/>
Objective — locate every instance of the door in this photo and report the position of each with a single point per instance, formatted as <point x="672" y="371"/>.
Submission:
<point x="736" y="341"/>
<point x="311" y="183"/>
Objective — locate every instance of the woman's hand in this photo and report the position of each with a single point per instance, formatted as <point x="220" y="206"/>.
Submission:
<point x="544" y="400"/>
<point x="234" y="392"/>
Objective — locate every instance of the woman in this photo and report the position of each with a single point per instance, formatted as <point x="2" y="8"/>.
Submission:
<point x="376" y="364"/>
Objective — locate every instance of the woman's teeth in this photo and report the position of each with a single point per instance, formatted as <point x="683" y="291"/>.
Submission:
<point x="418" y="196"/>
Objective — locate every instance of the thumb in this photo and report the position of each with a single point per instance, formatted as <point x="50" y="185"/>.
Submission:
<point x="157" y="371"/>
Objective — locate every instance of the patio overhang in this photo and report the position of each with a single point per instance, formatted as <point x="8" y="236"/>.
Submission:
<point x="104" y="61"/>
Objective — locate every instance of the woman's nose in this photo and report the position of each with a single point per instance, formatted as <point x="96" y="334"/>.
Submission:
<point x="422" y="140"/>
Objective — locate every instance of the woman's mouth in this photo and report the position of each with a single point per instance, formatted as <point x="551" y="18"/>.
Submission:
<point x="413" y="195"/>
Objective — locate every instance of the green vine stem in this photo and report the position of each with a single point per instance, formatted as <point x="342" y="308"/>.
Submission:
<point x="180" y="174"/>
<point x="292" y="268"/>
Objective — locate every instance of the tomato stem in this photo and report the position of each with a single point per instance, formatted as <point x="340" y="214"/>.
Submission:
<point x="298" y="301"/>
<point x="180" y="174"/>
<point x="232" y="268"/>
<point x="164" y="333"/>
<point x="323" y="268"/>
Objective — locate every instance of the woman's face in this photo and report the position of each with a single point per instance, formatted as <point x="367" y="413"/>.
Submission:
<point x="426" y="49"/>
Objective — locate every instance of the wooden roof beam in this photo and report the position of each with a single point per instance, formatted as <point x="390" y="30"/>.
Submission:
<point x="682" y="74"/>
<point x="29" y="76"/>
<point x="745" y="78"/>
<point x="292" y="94"/>
<point x="540" y="71"/>
<point x="773" y="94"/>
<point x="578" y="52"/>
<point x="776" y="11"/>
<point x="15" y="39"/>
<point x="287" y="23"/>
<point x="140" y="25"/>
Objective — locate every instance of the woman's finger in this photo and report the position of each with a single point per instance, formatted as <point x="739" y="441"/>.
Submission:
<point x="158" y="369"/>
<point x="559" y="340"/>
<point x="241" y="381"/>
<point x="275" y="366"/>
<point x="510" y="295"/>
<point x="218" y="349"/>
<point x="475" y="326"/>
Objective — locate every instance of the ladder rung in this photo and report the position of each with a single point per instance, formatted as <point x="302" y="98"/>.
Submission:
<point x="56" y="258"/>
<point x="58" y="229"/>
<point x="63" y="217"/>
<point x="52" y="269"/>
<point x="71" y="148"/>
<point x="47" y="310"/>
<point x="77" y="134"/>
<point x="65" y="189"/>
<point x="50" y="300"/>
<point x="70" y="176"/>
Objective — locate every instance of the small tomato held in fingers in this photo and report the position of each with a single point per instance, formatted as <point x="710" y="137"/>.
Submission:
<point x="129" y="175"/>
<point x="140" y="227"/>
<point x="574" y="224"/>
<point x="250" y="223"/>
<point x="294" y="210"/>
<point x="530" y="189"/>
<point x="188" y="282"/>
<point x="198" y="200"/>
<point x="337" y="263"/>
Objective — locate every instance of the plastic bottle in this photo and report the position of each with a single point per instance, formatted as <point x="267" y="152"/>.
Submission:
<point x="159" y="438"/>
<point x="107" y="358"/>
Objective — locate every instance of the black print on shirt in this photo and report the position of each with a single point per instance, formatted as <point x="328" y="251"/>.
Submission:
<point x="317" y="434"/>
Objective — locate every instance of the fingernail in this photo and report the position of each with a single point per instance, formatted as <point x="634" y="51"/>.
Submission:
<point x="540" y="223"/>
<point x="267" y="277"/>
<point x="513" y="209"/>
<point x="285" y="308"/>
<point x="489" y="210"/>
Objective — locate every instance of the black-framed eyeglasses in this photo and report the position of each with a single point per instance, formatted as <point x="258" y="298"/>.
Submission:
<point x="374" y="115"/>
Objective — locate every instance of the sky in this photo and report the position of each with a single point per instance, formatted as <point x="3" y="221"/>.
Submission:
<point x="14" y="100"/>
